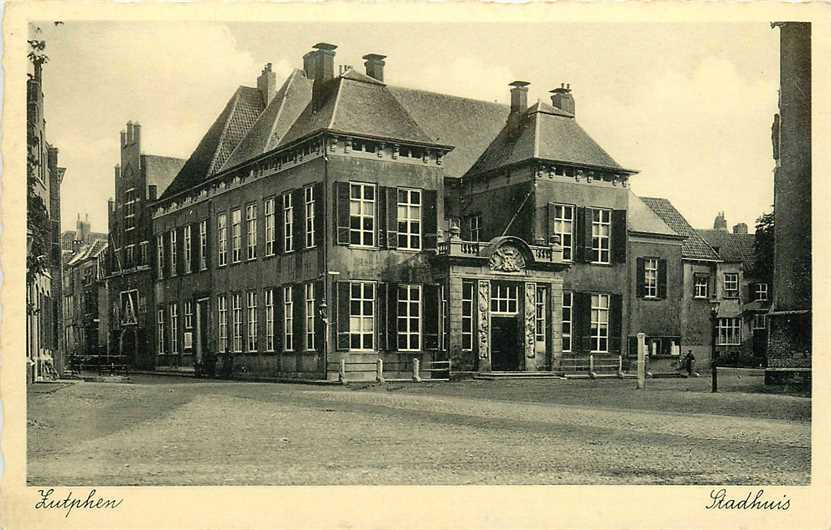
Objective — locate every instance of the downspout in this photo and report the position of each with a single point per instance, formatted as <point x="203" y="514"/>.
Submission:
<point x="326" y="318"/>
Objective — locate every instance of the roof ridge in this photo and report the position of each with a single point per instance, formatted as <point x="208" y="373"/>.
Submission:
<point x="442" y="94"/>
<point x="225" y="126"/>
<point x="335" y="104"/>
<point x="289" y="81"/>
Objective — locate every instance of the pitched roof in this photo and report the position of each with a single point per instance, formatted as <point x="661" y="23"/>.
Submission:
<point x="641" y="218"/>
<point x="735" y="248"/>
<point x="357" y="104"/>
<point x="469" y="125"/>
<point x="275" y="120"/>
<point x="92" y="250"/>
<point x="161" y="170"/>
<point x="694" y="247"/>
<point x="222" y="137"/>
<point x="544" y="133"/>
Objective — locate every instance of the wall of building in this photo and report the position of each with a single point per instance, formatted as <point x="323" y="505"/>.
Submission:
<point x="696" y="318"/>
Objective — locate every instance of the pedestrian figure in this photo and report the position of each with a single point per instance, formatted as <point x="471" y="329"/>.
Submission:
<point x="690" y="362"/>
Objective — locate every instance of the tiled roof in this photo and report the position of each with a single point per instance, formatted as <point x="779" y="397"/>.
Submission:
<point x="641" y="218"/>
<point x="735" y="248"/>
<point x="86" y="252"/>
<point x="694" y="247"/>
<point x="222" y="137"/>
<point x="544" y="133"/>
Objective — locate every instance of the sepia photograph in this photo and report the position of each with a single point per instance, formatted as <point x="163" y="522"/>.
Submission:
<point x="349" y="253"/>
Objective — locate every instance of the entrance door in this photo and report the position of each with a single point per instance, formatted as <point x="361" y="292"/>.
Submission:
<point x="201" y="331"/>
<point x="505" y="346"/>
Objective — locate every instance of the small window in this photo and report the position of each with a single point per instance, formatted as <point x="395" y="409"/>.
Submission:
<point x="731" y="284"/>
<point x="409" y="219"/>
<point x="362" y="214"/>
<point x="759" y="321"/>
<point x="504" y="299"/>
<point x="729" y="331"/>
<point x="601" y="233"/>
<point x="564" y="227"/>
<point x="650" y="280"/>
<point x="702" y="286"/>
<point x="760" y="292"/>
<point x="473" y="226"/>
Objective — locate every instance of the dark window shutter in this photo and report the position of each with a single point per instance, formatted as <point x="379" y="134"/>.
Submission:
<point x="180" y="250"/>
<point x="579" y="232"/>
<point x="549" y="222"/>
<point x="195" y="247"/>
<point x="392" y="217"/>
<point x="208" y="242"/>
<point x="167" y="255"/>
<point x="299" y="219"/>
<point x="588" y="254"/>
<point x="279" y="226"/>
<point x="153" y="256"/>
<point x="382" y="217"/>
<point x="342" y="213"/>
<point x="278" y="318"/>
<point x="392" y="316"/>
<point x="616" y="322"/>
<point x="320" y="331"/>
<point x="381" y="309"/>
<point x="662" y="278"/>
<point x="430" y="309"/>
<point x="582" y="321"/>
<point x="299" y="311"/>
<point x="641" y="277"/>
<point x="619" y="236"/>
<point x="429" y="220"/>
<point x="343" y="316"/>
<point x="320" y="208"/>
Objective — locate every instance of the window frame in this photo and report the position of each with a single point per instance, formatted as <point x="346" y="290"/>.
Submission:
<point x="270" y="226"/>
<point x="761" y="292"/>
<point x="601" y="236"/>
<point x="412" y="218"/>
<point x="236" y="235"/>
<point x="203" y="245"/>
<point x="567" y="322"/>
<point x="362" y="318"/>
<point x="251" y="231"/>
<point x="236" y="322"/>
<point x="309" y="210"/>
<point x="650" y="278"/>
<point x="188" y="250"/>
<point x="174" y="328"/>
<point x="288" y="318"/>
<point x="597" y="337"/>
<point x="540" y="315"/>
<point x="503" y="296"/>
<point x="697" y="283"/>
<point x="268" y="295"/>
<point x="160" y="325"/>
<point x="288" y="222"/>
<point x="309" y="295"/>
<point x="222" y="239"/>
<point x="474" y="226"/>
<point x="409" y="324"/>
<point x="560" y="223"/>
<point x="468" y="313"/>
<point x="756" y="318"/>
<point x="222" y="311"/>
<point x="173" y="253"/>
<point x="363" y="233"/>
<point x="731" y="293"/>
<point x="251" y="338"/>
<point x="727" y="329"/>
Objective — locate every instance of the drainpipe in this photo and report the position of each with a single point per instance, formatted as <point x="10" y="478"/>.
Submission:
<point x="325" y="238"/>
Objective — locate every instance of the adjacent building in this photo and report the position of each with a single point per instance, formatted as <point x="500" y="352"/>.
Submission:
<point x="84" y="272"/>
<point x="73" y="240"/>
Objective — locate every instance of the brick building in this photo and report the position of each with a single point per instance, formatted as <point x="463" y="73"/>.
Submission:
<point x="73" y="240"/>
<point x="139" y="179"/>
<point x="340" y="218"/>
<point x="84" y="272"/>
<point x="790" y="318"/>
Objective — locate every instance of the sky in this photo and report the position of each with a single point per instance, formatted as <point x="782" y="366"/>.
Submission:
<point x="687" y="105"/>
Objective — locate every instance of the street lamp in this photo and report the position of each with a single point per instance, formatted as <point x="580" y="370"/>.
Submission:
<point x="714" y="353"/>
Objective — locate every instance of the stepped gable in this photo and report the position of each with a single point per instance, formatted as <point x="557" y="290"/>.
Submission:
<point x="222" y="137"/>
<point x="695" y="246"/>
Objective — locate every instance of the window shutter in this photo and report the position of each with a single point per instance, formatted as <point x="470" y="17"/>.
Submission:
<point x="382" y="217"/>
<point x="152" y="256"/>
<point x="662" y="278"/>
<point x="549" y="222"/>
<point x="430" y="311"/>
<point x="180" y="250"/>
<point x="429" y="220"/>
<point x="342" y="316"/>
<point x="320" y="208"/>
<point x="299" y="310"/>
<point x="320" y="294"/>
<point x="195" y="247"/>
<point x="641" y="277"/>
<point x="279" y="226"/>
<point x="342" y="213"/>
<point x="166" y="257"/>
<point x="381" y="317"/>
<point x="588" y="254"/>
<point x="616" y="322"/>
<point x="277" y="296"/>
<point x="582" y="321"/>
<point x="208" y="242"/>
<point x="619" y="236"/>
<point x="579" y="232"/>
<point x="633" y="346"/>
<point x="392" y="217"/>
<point x="298" y="219"/>
<point x="392" y="316"/>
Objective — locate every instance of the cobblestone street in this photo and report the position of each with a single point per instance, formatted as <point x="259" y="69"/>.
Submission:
<point x="170" y="431"/>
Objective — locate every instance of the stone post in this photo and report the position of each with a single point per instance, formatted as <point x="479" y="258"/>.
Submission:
<point x="416" y="371"/>
<point x="641" y="361"/>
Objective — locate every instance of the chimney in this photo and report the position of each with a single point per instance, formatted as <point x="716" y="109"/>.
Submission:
<point x="375" y="66"/>
<point x="123" y="138"/>
<point x="519" y="96"/>
<point x="151" y="192"/>
<point x="136" y="133"/>
<point x="267" y="84"/>
<point x="740" y="228"/>
<point x="562" y="99"/>
<point x="319" y="65"/>
<point x="129" y="132"/>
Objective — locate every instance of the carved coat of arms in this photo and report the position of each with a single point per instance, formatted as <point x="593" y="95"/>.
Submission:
<point x="507" y="258"/>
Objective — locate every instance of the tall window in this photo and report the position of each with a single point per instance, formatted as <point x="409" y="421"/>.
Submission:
<point x="188" y="315"/>
<point x="236" y="315"/>
<point x="130" y="200"/>
<point x="568" y="319"/>
<point x="361" y="316"/>
<point x="443" y="317"/>
<point x="236" y="236"/>
<point x="564" y="227"/>
<point x="362" y="214"/>
<point x="650" y="279"/>
<point x="309" y="199"/>
<point x="288" y="222"/>
<point x="731" y="284"/>
<point x="504" y="298"/>
<point x="310" y="315"/>
<point x="222" y="243"/>
<point x="601" y="228"/>
<point x="600" y="323"/>
<point x="759" y="321"/>
<point x="188" y="250"/>
<point x="467" y="315"/>
<point x="203" y="244"/>
<point x="174" y="328"/>
<point x="142" y="253"/>
<point x="474" y="227"/>
<point x="539" y="315"/>
<point x="173" y="252"/>
<point x="269" y="226"/>
<point x="409" y="317"/>
<point x="251" y="330"/>
<point x="251" y="229"/>
<point x="269" y="319"/>
<point x="702" y="286"/>
<point x="409" y="219"/>
<point x="130" y="257"/>
<point x="760" y="292"/>
<point x="160" y="255"/>
<point x="160" y="324"/>
<point x="222" y="309"/>
<point x="729" y="331"/>
<point x="288" y="318"/>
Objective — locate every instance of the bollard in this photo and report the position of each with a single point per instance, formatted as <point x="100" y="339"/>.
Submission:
<point x="342" y="371"/>
<point x="416" y="370"/>
<point x="620" y="366"/>
<point x="591" y="366"/>
<point x="379" y="370"/>
<point x="715" y="376"/>
<point x="641" y="361"/>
